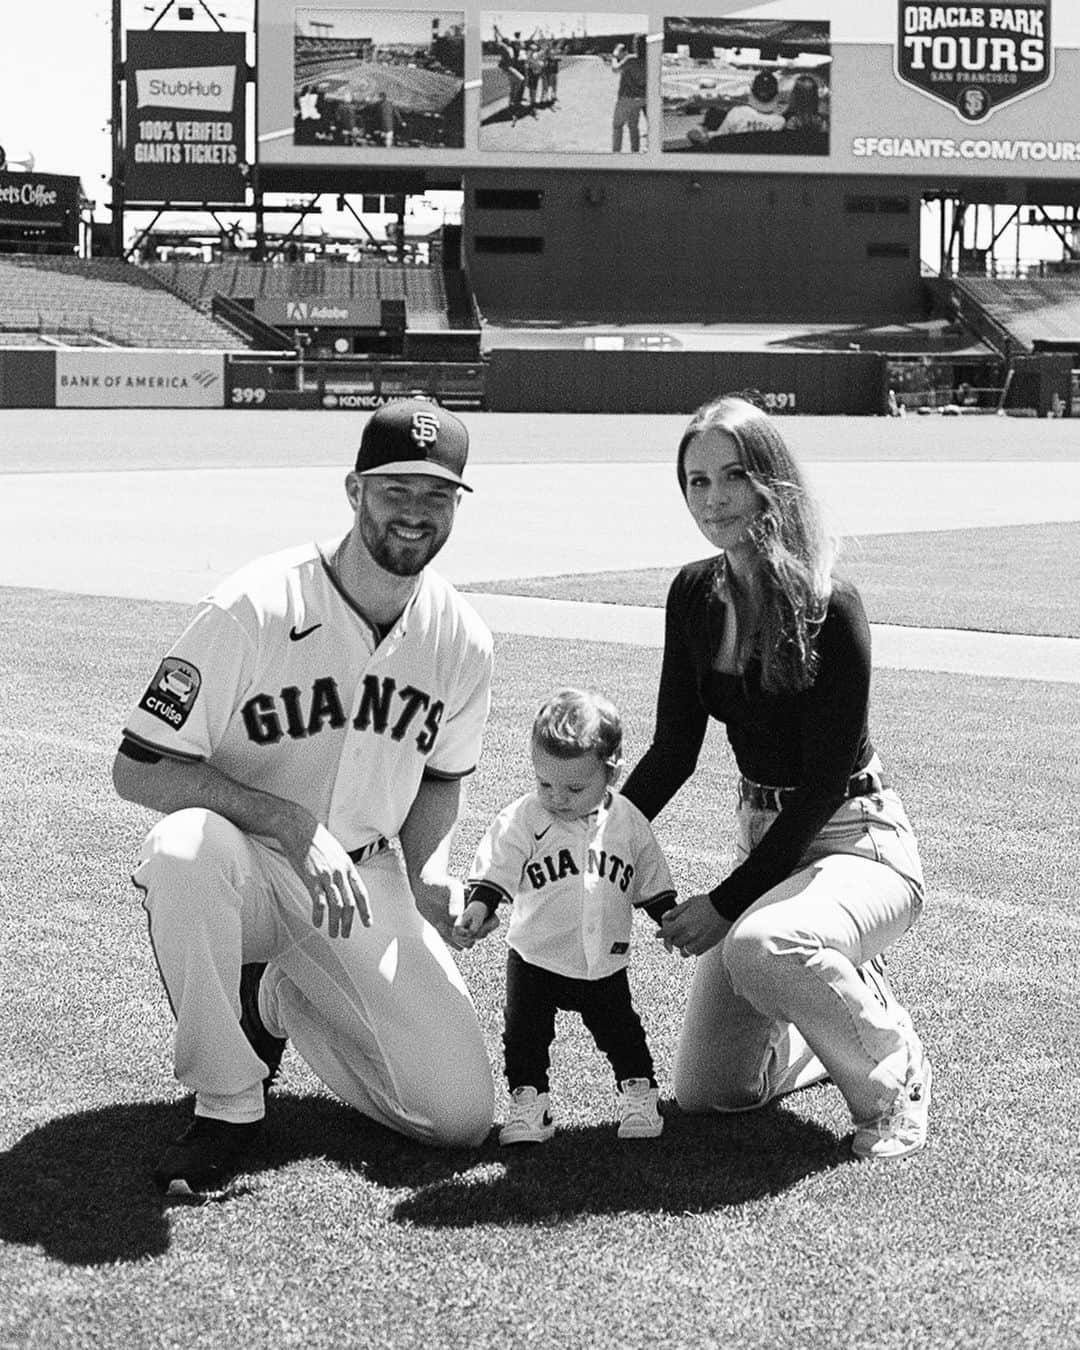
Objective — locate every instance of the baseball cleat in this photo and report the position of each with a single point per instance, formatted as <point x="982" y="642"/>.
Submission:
<point x="269" y="1048"/>
<point x="638" y="1114"/>
<point x="902" y="1128"/>
<point x="205" y="1158"/>
<point x="530" y="1120"/>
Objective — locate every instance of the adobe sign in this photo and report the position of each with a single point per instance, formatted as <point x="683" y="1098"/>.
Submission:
<point x="974" y="58"/>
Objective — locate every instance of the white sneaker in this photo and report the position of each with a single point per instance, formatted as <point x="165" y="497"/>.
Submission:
<point x="638" y="1115"/>
<point x="529" y="1120"/>
<point x="902" y="1129"/>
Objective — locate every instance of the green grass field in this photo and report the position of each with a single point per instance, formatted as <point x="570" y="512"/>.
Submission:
<point x="1011" y="579"/>
<point x="755" y="1231"/>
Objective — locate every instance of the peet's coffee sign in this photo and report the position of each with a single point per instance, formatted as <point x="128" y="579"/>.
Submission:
<point x="37" y="198"/>
<point x="974" y="58"/>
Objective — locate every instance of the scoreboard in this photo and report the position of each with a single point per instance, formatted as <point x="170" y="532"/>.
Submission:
<point x="887" y="87"/>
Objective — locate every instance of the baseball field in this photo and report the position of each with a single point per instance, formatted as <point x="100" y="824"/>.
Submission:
<point x="751" y="1231"/>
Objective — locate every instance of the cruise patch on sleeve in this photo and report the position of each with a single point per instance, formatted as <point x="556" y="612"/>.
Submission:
<point x="172" y="692"/>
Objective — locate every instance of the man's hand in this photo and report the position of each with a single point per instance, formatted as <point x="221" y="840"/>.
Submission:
<point x="693" y="927"/>
<point x="315" y="855"/>
<point x="442" y="903"/>
<point x="333" y="883"/>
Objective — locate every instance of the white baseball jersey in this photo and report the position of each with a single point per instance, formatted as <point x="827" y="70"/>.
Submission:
<point x="281" y="683"/>
<point x="743" y="118"/>
<point x="574" y="884"/>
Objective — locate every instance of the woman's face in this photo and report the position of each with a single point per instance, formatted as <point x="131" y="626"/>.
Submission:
<point x="721" y="497"/>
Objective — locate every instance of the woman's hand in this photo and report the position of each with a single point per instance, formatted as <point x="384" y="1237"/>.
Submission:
<point x="693" y="927"/>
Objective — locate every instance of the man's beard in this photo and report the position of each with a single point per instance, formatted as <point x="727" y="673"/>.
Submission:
<point x="395" y="555"/>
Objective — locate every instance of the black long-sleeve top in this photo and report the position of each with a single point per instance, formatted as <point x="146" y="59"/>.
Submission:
<point x="812" y="741"/>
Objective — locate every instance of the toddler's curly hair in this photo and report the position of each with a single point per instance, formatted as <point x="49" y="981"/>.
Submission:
<point x="576" y="722"/>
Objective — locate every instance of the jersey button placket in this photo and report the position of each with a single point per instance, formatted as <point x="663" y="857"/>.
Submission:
<point x="592" y="908"/>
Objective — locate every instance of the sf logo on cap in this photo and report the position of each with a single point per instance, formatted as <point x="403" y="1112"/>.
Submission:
<point x="425" y="428"/>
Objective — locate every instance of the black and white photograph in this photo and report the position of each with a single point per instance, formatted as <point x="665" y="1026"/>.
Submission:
<point x="379" y="78"/>
<point x="539" y="667"/>
<point x="746" y="86"/>
<point x="564" y="82"/>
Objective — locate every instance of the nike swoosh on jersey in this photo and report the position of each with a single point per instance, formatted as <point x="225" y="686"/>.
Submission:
<point x="539" y="835"/>
<point x="295" y="636"/>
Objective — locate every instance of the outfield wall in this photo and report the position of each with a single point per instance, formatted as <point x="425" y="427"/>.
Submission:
<point x="673" y="382"/>
<point x="513" y="380"/>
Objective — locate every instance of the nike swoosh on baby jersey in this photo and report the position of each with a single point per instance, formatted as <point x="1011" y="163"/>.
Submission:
<point x="540" y="835"/>
<point x="295" y="636"/>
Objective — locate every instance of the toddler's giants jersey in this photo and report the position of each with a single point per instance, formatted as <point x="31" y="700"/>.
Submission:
<point x="574" y="884"/>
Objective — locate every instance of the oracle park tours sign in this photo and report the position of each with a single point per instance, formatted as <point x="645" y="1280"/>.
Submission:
<point x="974" y="58"/>
<point x="836" y="87"/>
<point x="185" y="117"/>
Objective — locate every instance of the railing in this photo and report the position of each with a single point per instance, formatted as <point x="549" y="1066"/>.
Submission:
<point x="244" y="321"/>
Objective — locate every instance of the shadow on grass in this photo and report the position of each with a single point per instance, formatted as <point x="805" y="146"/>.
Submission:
<point x="80" y="1187"/>
<point x="699" y="1163"/>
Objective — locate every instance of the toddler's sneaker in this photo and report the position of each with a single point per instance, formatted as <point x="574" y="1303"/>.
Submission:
<point x="902" y="1128"/>
<point x="529" y="1120"/>
<point x="638" y="1114"/>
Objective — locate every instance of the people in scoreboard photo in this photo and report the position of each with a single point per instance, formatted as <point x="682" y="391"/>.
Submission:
<point x="305" y="740"/>
<point x="745" y="86"/>
<point x="763" y="636"/>
<point x="563" y="82"/>
<point x="390" y="78"/>
<point x="575" y="861"/>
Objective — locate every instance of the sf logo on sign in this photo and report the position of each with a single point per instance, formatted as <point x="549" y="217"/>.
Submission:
<point x="974" y="58"/>
<point x="425" y="429"/>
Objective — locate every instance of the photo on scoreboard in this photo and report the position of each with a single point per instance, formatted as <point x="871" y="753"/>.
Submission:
<point x="746" y="86"/>
<point x="389" y="78"/>
<point x="563" y="82"/>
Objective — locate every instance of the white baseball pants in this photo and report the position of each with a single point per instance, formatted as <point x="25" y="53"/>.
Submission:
<point x="382" y="1017"/>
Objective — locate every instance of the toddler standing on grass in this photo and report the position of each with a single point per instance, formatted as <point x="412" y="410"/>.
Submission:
<point x="575" y="859"/>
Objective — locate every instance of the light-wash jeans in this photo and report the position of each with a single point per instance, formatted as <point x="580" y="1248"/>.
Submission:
<point x="780" y="1003"/>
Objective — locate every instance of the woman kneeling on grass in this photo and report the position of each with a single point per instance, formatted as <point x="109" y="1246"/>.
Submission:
<point x="790" y="985"/>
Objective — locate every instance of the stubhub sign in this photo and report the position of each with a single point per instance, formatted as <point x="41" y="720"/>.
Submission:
<point x="198" y="89"/>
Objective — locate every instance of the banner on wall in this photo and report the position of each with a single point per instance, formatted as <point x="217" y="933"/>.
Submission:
<point x="322" y="312"/>
<point x="974" y="58"/>
<point x="116" y="378"/>
<point x="185" y="130"/>
<point x="777" y="86"/>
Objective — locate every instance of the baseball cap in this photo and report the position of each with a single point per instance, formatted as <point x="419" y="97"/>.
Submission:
<point x="764" y="91"/>
<point x="412" y="436"/>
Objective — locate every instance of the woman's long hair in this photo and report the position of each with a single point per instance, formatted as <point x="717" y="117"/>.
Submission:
<point x="796" y="554"/>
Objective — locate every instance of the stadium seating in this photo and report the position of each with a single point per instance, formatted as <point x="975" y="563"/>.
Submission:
<point x="423" y="289"/>
<point x="83" y="301"/>
<point x="1036" y="312"/>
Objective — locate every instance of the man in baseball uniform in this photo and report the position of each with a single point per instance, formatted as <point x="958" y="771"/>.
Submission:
<point x="306" y="738"/>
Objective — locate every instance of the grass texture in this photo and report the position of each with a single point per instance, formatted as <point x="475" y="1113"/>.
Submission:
<point x="750" y="1231"/>
<point x="1008" y="579"/>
